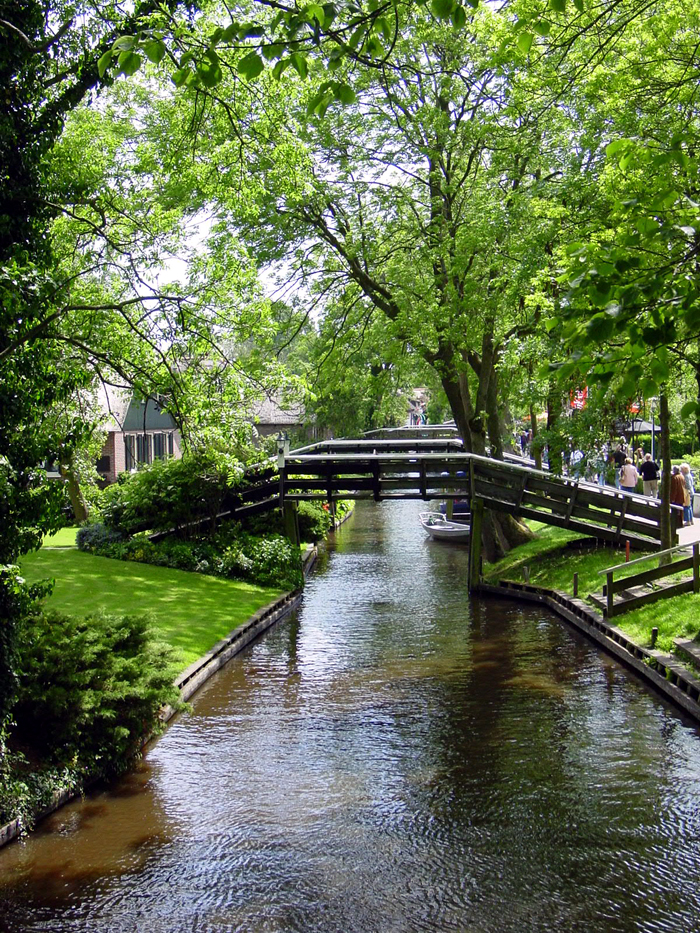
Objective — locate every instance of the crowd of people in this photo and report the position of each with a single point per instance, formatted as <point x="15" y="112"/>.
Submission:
<point x="620" y="466"/>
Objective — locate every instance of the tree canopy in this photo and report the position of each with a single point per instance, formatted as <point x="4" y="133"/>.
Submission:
<point x="502" y="195"/>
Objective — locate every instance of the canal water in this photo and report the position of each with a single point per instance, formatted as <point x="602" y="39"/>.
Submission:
<point x="394" y="758"/>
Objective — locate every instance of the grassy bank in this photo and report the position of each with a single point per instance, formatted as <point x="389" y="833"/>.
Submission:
<point x="551" y="561"/>
<point x="191" y="611"/>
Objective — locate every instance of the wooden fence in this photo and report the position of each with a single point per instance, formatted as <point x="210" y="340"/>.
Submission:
<point x="635" y="590"/>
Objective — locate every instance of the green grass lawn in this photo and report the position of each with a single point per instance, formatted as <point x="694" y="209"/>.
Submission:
<point x="552" y="565"/>
<point x="191" y="611"/>
<point x="63" y="538"/>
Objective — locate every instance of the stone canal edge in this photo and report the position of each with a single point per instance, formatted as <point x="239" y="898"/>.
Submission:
<point x="659" y="670"/>
<point x="194" y="676"/>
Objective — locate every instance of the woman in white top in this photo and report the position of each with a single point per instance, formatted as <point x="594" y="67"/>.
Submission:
<point x="628" y="476"/>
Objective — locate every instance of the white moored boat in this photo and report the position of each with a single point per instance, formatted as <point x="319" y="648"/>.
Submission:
<point x="439" y="527"/>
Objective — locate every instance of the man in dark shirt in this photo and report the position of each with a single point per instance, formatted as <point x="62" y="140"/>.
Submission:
<point x="619" y="457"/>
<point x="650" y="476"/>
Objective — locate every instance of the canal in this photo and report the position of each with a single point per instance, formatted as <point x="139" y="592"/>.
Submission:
<point x="393" y="758"/>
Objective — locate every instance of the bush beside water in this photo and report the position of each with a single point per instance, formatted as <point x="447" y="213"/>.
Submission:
<point x="267" y="560"/>
<point x="183" y="498"/>
<point x="90" y="689"/>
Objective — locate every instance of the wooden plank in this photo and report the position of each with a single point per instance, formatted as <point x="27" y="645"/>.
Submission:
<point x="523" y="485"/>
<point x="630" y="524"/>
<point x="653" y="596"/>
<point x="656" y="573"/>
<point x="477" y="515"/>
<point x="621" y="517"/>
<point x="572" y="500"/>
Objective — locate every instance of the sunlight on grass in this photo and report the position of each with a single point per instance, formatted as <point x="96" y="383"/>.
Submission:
<point x="63" y="538"/>
<point x="552" y="565"/>
<point x="190" y="611"/>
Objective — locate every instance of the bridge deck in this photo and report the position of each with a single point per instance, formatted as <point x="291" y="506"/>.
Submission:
<point x="439" y="468"/>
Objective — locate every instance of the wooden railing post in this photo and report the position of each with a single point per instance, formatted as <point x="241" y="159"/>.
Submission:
<point x="609" y="592"/>
<point x="477" y="510"/>
<point x="696" y="567"/>
<point x="291" y="522"/>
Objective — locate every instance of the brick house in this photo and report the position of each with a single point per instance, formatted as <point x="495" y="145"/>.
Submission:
<point x="138" y="432"/>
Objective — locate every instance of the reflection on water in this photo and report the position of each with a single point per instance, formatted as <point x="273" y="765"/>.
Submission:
<point x="393" y="759"/>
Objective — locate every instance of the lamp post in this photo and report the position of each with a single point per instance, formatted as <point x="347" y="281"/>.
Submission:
<point x="282" y="449"/>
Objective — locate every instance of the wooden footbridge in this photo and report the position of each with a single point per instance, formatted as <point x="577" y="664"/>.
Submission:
<point x="439" y="468"/>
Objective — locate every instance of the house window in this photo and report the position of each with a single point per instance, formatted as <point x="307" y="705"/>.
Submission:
<point x="162" y="446"/>
<point x="143" y="448"/>
<point x="104" y="465"/>
<point x="130" y="451"/>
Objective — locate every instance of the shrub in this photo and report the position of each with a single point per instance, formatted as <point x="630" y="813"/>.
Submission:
<point x="91" y="688"/>
<point x="314" y="521"/>
<point x="95" y="537"/>
<point x="169" y="494"/>
<point x="271" y="560"/>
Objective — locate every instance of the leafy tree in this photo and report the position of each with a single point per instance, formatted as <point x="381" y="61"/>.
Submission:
<point x="414" y="200"/>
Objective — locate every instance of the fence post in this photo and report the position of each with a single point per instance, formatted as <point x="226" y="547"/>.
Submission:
<point x="576" y="584"/>
<point x="477" y="508"/>
<point x="291" y="522"/>
<point x="696" y="568"/>
<point x="609" y="592"/>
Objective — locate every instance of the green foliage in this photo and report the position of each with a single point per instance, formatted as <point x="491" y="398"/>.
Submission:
<point x="26" y="791"/>
<point x="271" y="560"/>
<point x="169" y="494"/>
<point x="314" y="520"/>
<point x="279" y="38"/>
<point x="682" y="445"/>
<point x="17" y="600"/>
<point x="95" y="536"/>
<point x="265" y="559"/>
<point x="91" y="688"/>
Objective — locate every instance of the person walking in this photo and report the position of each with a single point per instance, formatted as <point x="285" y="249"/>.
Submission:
<point x="677" y="496"/>
<point x="619" y="457"/>
<point x="649" y="471"/>
<point x="628" y="476"/>
<point x="689" y="494"/>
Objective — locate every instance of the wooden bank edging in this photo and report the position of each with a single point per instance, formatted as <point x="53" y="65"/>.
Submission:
<point x="659" y="669"/>
<point x="192" y="678"/>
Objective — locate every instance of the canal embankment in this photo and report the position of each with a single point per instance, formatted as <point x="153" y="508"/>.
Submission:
<point x="187" y="682"/>
<point x="660" y="642"/>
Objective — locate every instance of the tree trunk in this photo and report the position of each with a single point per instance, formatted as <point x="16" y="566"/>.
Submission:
<point x="75" y="494"/>
<point x="668" y="535"/>
<point x="500" y="532"/>
<point x="535" y="447"/>
<point x="696" y="369"/>
<point x="554" y="406"/>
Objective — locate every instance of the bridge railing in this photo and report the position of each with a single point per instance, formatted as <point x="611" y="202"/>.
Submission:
<point x="432" y="468"/>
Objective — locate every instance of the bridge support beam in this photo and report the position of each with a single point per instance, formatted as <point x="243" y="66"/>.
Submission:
<point x="477" y="520"/>
<point x="291" y="522"/>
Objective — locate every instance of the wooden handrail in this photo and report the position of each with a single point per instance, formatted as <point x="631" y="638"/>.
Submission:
<point x="639" y="560"/>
